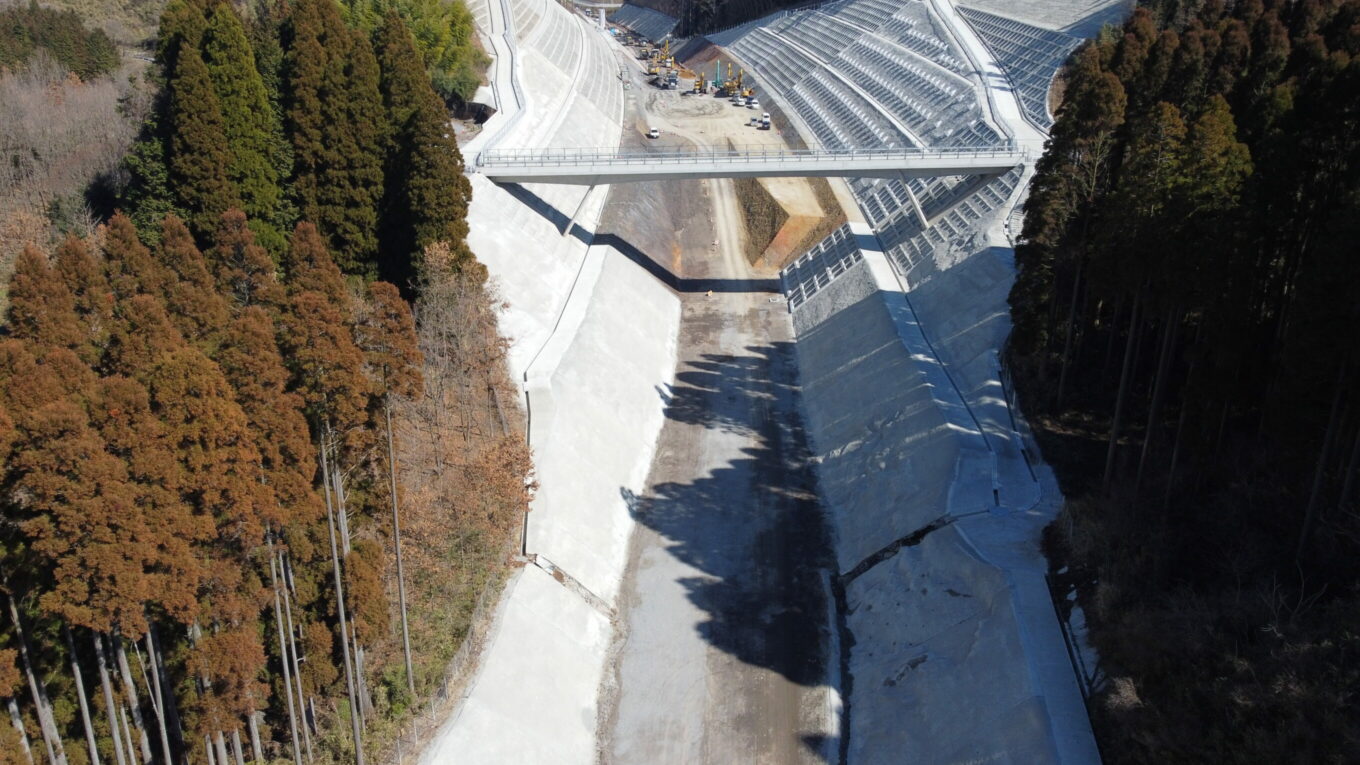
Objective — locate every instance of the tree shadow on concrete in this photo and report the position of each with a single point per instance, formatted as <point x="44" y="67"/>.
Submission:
<point x="753" y="526"/>
<point x="1091" y="24"/>
<point x="561" y="221"/>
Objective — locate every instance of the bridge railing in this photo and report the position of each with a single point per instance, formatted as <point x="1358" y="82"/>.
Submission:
<point x="695" y="155"/>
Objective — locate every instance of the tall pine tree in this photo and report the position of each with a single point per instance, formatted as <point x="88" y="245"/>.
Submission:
<point x="199" y="158"/>
<point x="248" y="122"/>
<point x="426" y="195"/>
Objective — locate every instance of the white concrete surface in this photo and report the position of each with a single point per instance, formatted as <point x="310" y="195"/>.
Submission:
<point x="957" y="654"/>
<point x="603" y="412"/>
<point x="1082" y="18"/>
<point x="526" y="703"/>
<point x="590" y="366"/>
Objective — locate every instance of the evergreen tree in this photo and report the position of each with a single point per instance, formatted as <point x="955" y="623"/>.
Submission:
<point x="335" y="122"/>
<point x="148" y="198"/>
<point x="309" y="42"/>
<point x="245" y="273"/>
<point x="353" y="182"/>
<point x="199" y="156"/>
<point x="248" y="121"/>
<point x="426" y="195"/>
<point x="41" y="307"/>
<point x="193" y="302"/>
<point x="182" y="23"/>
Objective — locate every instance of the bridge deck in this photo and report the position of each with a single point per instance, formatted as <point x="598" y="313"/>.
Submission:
<point x="601" y="166"/>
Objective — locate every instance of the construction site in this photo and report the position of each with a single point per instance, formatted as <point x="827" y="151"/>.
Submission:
<point x="788" y="511"/>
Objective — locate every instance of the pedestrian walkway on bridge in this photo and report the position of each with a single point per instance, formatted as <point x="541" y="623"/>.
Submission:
<point x="590" y="167"/>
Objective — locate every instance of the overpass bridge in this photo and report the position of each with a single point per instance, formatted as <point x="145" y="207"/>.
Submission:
<point x="591" y="167"/>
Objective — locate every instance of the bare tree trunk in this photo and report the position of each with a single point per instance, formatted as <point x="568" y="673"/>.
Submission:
<point x="169" y="708"/>
<point x="237" y="746"/>
<point x="338" y="487"/>
<point x="1348" y="484"/>
<point x="102" y="663"/>
<point x="1170" y="334"/>
<point x="1315" y="496"/>
<point x="340" y="609"/>
<point x="221" y="743"/>
<point x="153" y="691"/>
<point x="80" y="696"/>
<point x="56" y="753"/>
<point x="396" y="545"/>
<point x="1122" y="396"/>
<point x="208" y="747"/>
<point x="297" y="663"/>
<point x="127" y="733"/>
<point x="1175" y="455"/>
<point x="134" y="702"/>
<point x="283" y="657"/>
<point x="1067" y="340"/>
<point x="256" y="747"/>
<point x="360" y="680"/>
<point x="1114" y="337"/>
<point x="17" y="721"/>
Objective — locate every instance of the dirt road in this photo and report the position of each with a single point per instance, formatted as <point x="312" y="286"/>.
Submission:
<point x="723" y="639"/>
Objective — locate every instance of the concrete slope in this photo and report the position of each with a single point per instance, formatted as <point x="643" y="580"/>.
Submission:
<point x="592" y="338"/>
<point x="955" y="651"/>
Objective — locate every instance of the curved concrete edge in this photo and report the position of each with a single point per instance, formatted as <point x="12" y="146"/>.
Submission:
<point x="599" y="378"/>
<point x="539" y="374"/>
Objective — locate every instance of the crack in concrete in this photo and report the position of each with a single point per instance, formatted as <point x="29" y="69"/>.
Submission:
<point x="908" y="540"/>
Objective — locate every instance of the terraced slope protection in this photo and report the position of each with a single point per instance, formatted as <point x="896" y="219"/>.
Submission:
<point x="935" y="497"/>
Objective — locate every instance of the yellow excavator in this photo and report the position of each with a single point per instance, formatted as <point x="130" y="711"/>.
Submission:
<point x="732" y="87"/>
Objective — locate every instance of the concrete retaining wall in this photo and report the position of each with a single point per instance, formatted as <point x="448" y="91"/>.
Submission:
<point x="956" y="654"/>
<point x="592" y="337"/>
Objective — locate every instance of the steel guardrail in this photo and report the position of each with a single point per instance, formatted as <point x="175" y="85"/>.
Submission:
<point x="579" y="157"/>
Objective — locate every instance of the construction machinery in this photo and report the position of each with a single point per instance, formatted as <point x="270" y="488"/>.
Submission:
<point x="732" y="86"/>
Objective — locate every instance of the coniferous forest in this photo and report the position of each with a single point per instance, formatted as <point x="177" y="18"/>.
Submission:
<point x="261" y="457"/>
<point x="1186" y="330"/>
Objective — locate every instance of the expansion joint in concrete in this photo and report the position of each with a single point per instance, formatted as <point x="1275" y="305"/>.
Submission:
<point x="571" y="583"/>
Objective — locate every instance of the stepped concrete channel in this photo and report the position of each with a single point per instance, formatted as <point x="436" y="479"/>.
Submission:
<point x="781" y="518"/>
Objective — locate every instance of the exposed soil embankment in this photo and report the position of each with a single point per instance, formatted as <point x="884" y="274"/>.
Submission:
<point x="762" y="215"/>
<point x="783" y="217"/>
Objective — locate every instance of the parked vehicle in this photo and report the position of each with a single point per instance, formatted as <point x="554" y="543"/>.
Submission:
<point x="653" y="133"/>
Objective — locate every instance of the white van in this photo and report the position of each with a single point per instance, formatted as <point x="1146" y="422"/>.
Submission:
<point x="653" y="133"/>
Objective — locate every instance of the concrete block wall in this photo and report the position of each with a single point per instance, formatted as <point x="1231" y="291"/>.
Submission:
<point x="956" y="653"/>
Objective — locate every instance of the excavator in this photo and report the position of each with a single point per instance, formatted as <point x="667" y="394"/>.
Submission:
<point x="735" y="88"/>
